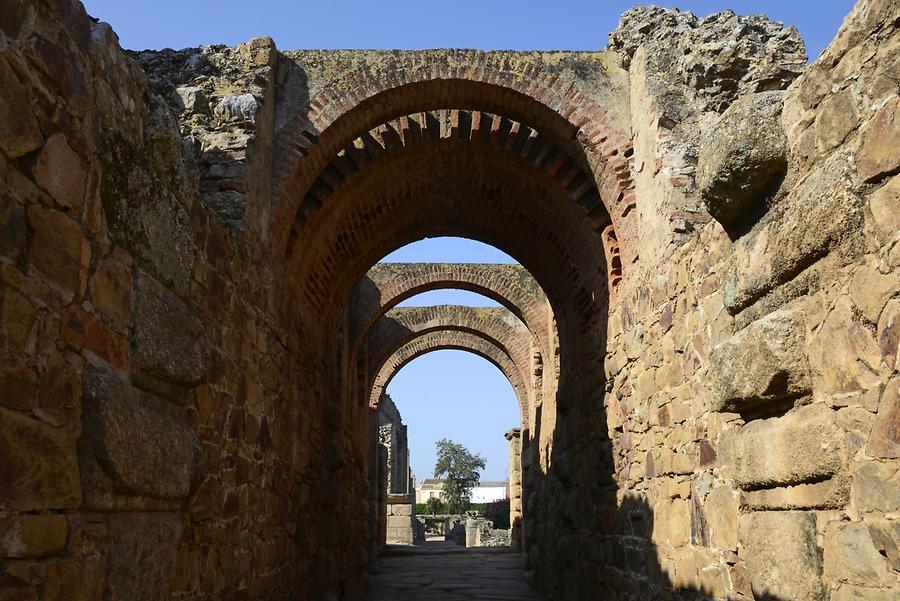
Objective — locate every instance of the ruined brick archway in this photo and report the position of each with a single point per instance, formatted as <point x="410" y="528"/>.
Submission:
<point x="497" y="326"/>
<point x="375" y="212"/>
<point x="387" y="284"/>
<point x="316" y="133"/>
<point x="184" y="373"/>
<point x="475" y="161"/>
<point x="452" y="339"/>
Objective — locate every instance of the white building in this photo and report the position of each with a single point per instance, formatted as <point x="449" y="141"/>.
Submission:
<point x="488" y="492"/>
<point x="485" y="492"/>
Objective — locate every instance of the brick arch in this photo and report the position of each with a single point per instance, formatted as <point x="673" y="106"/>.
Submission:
<point x="435" y="190"/>
<point x="520" y="141"/>
<point x="387" y="284"/>
<point x="497" y="325"/>
<point x="310" y="140"/>
<point x="451" y="340"/>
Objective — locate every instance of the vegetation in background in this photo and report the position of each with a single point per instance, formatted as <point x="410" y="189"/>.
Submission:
<point x="498" y="512"/>
<point x="461" y="470"/>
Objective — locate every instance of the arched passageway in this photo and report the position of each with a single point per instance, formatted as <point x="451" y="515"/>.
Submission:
<point x="388" y="284"/>
<point x="499" y="167"/>
<point x="190" y="304"/>
<point x="497" y="327"/>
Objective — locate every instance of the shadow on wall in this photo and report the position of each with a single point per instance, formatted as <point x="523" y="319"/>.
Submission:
<point x="630" y="564"/>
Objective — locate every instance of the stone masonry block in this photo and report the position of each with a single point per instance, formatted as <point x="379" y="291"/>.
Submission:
<point x="821" y="214"/>
<point x="32" y="535"/>
<point x="783" y="558"/>
<point x="168" y="341"/>
<point x="802" y="446"/>
<point x="850" y="555"/>
<point x="38" y="469"/>
<point x="403" y="510"/>
<point x="144" y="444"/>
<point x="142" y="555"/>
<point x="762" y="364"/>
<point x="743" y="158"/>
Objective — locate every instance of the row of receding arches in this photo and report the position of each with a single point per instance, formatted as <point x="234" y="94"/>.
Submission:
<point x="476" y="160"/>
<point x="515" y="337"/>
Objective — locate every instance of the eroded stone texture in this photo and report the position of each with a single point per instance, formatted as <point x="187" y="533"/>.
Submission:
<point x="142" y="555"/>
<point x="762" y="365"/>
<point x="743" y="158"/>
<point x="878" y="155"/>
<point x="802" y="446"/>
<point x="168" y="341"/>
<point x="717" y="57"/>
<point x="783" y="557"/>
<point x="32" y="535"/>
<point x="143" y="444"/>
<point x="39" y="469"/>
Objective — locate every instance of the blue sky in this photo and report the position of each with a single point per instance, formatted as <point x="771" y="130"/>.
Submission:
<point x="436" y="393"/>
<point x="411" y="24"/>
<point x="440" y="394"/>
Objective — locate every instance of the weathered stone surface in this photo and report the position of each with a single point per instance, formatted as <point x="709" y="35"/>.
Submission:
<point x="783" y="556"/>
<point x="142" y="555"/>
<point x="60" y="172"/>
<point x="58" y="400"/>
<point x="889" y="333"/>
<point x="750" y="53"/>
<point x="19" y="131"/>
<point x="870" y="290"/>
<point x="803" y="445"/>
<point x="833" y="493"/>
<point x="19" y="384"/>
<point x="13" y="227"/>
<point x="885" y="206"/>
<point x="721" y="510"/>
<point x="237" y="108"/>
<point x="875" y="487"/>
<point x="851" y="555"/>
<point x="60" y="250"/>
<point x="83" y="332"/>
<point x="144" y="444"/>
<point x="229" y="206"/>
<point x="39" y="469"/>
<point x="763" y="364"/>
<point x="146" y="208"/>
<point x="110" y="289"/>
<point x="743" y="158"/>
<point x="32" y="535"/>
<point x="191" y="99"/>
<point x="857" y="367"/>
<point x="820" y="214"/>
<point x="878" y="156"/>
<point x="837" y="117"/>
<point x="168" y="341"/>
<point x="885" y="535"/>
<point x="884" y="439"/>
<point x="851" y="592"/>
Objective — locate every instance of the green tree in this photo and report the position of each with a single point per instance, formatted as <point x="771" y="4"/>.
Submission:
<point x="461" y="471"/>
<point x="434" y="505"/>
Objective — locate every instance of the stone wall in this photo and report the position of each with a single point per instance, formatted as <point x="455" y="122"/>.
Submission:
<point x="150" y="418"/>
<point x="401" y="519"/>
<point x="514" y="437"/>
<point x="392" y="435"/>
<point x="752" y="388"/>
<point x="712" y="391"/>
